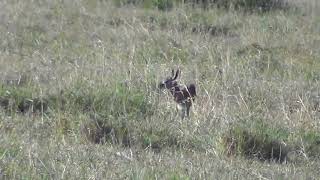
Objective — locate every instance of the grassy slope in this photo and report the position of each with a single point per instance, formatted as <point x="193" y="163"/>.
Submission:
<point x="249" y="68"/>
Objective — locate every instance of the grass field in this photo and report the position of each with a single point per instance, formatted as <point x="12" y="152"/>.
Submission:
<point x="79" y="95"/>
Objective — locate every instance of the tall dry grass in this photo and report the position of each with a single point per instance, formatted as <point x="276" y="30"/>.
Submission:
<point x="79" y="95"/>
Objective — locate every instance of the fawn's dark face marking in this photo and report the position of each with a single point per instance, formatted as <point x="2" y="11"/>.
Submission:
<point x="170" y="82"/>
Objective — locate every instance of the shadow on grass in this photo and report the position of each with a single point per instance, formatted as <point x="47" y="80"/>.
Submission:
<point x="268" y="143"/>
<point x="257" y="146"/>
<point x="19" y="99"/>
<point x="99" y="131"/>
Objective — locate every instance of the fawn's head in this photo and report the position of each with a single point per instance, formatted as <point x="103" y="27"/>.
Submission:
<point x="170" y="82"/>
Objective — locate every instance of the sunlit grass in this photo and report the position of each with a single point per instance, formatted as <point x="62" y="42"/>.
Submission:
<point x="79" y="96"/>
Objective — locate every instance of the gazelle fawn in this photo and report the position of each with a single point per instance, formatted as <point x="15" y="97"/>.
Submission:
<point x="183" y="95"/>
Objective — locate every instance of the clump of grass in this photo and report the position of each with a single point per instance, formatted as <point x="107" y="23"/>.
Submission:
<point x="162" y="138"/>
<point x="250" y="5"/>
<point x="162" y="5"/>
<point x="178" y="176"/>
<point x="158" y="50"/>
<point x="63" y="123"/>
<point x="158" y="139"/>
<point x="259" y="141"/>
<point x="263" y="60"/>
<point x="117" y="101"/>
<point x="100" y="131"/>
<point x="268" y="143"/>
<point x="311" y="143"/>
<point x="21" y="99"/>
<point x="33" y="105"/>
<point x="211" y="29"/>
<point x="247" y="5"/>
<point x="16" y="79"/>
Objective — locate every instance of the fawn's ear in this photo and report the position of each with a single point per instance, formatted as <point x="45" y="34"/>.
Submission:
<point x="177" y="74"/>
<point x="172" y="73"/>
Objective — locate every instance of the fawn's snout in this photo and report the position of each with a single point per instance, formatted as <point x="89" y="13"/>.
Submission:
<point x="162" y="85"/>
<point x="170" y="82"/>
